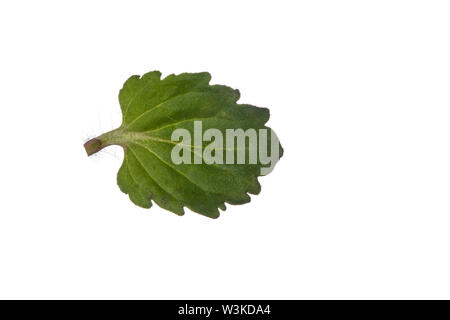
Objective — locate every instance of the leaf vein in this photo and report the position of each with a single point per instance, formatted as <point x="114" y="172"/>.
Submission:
<point x="152" y="178"/>
<point x="155" y="107"/>
<point x="177" y="171"/>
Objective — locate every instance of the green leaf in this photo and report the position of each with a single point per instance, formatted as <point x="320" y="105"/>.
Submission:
<point x="152" y="109"/>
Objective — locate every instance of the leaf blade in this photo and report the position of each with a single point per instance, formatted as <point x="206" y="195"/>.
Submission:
<point x="152" y="108"/>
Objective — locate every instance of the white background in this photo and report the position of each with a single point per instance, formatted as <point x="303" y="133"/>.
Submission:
<point x="358" y="207"/>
